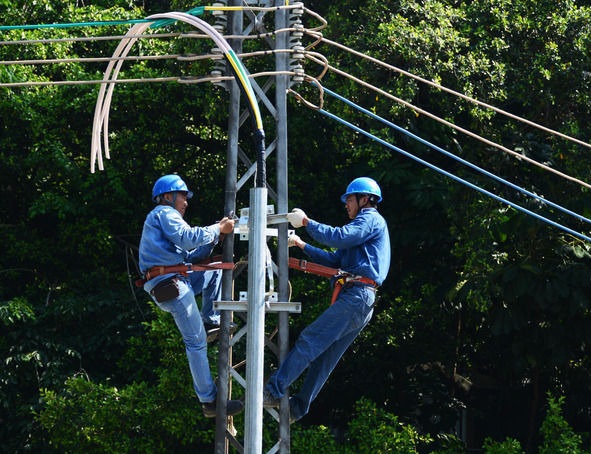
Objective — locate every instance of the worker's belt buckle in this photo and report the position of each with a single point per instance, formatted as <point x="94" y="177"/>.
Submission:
<point x="348" y="280"/>
<point x="360" y="280"/>
<point x="166" y="290"/>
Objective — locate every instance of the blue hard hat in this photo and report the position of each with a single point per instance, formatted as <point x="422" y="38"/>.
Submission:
<point x="363" y="185"/>
<point x="169" y="183"/>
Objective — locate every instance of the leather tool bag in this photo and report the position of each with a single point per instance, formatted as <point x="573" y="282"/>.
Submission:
<point x="165" y="290"/>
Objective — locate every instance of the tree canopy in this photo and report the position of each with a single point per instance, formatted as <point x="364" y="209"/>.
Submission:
<point x="485" y="315"/>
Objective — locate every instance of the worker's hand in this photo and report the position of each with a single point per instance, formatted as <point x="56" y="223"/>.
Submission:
<point x="297" y="218"/>
<point x="226" y="225"/>
<point x="293" y="240"/>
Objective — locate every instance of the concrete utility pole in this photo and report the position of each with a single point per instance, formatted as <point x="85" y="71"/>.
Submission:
<point x="259" y="302"/>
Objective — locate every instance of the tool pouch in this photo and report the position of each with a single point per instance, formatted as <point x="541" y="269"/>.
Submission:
<point x="165" y="290"/>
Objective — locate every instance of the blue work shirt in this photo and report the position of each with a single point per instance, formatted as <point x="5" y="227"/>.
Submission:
<point x="168" y="240"/>
<point x="362" y="246"/>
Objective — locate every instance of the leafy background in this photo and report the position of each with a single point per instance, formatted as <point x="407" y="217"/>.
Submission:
<point x="484" y="316"/>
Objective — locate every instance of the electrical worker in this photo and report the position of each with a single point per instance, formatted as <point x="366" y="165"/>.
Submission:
<point x="361" y="251"/>
<point x="168" y="241"/>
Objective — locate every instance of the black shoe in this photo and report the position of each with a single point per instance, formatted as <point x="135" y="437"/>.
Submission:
<point x="214" y="330"/>
<point x="233" y="407"/>
<point x="269" y="400"/>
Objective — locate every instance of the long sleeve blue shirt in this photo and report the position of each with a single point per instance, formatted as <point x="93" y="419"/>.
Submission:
<point x="361" y="247"/>
<point x="167" y="240"/>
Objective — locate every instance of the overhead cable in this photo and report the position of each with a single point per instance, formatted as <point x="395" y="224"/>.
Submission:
<point x="87" y="60"/>
<point x="447" y="123"/>
<point x="457" y="158"/>
<point x="180" y="57"/>
<point x="461" y="95"/>
<point x="83" y="39"/>
<point x="143" y="80"/>
<point x="102" y="109"/>
<point x="456" y="178"/>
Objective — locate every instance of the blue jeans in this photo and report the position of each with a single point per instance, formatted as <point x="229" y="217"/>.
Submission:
<point x="209" y="284"/>
<point x="188" y="321"/>
<point x="321" y="345"/>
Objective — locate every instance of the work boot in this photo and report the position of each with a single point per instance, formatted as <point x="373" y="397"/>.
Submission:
<point x="214" y="330"/>
<point x="269" y="400"/>
<point x="233" y="407"/>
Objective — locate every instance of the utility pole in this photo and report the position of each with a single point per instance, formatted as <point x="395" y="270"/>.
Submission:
<point x="258" y="302"/>
<point x="285" y="42"/>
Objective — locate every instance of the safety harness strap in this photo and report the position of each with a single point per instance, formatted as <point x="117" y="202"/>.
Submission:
<point x="314" y="268"/>
<point x="185" y="268"/>
<point x="347" y="279"/>
<point x="342" y="278"/>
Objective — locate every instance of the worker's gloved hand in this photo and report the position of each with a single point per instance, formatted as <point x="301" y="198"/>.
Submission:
<point x="297" y="218"/>
<point x="292" y="240"/>
<point x="226" y="225"/>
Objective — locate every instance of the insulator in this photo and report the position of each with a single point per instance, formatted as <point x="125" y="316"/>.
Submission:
<point x="295" y="43"/>
<point x="221" y="24"/>
<point x="221" y="19"/>
<point x="219" y="67"/>
<point x="298" y="33"/>
<point x="221" y="3"/>
<point x="298" y="53"/>
<point x="298" y="9"/>
<point x="299" y="74"/>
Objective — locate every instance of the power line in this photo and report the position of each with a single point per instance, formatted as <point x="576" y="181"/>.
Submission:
<point x="449" y="124"/>
<point x="316" y="57"/>
<point x="458" y="94"/>
<point x="457" y="158"/>
<point x="85" y="39"/>
<point x="89" y="60"/>
<point x="180" y="57"/>
<point x="454" y="177"/>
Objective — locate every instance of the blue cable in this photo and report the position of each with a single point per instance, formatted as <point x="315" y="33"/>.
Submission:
<point x="457" y="158"/>
<point x="454" y="177"/>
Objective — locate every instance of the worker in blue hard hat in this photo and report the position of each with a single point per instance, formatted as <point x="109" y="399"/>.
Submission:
<point x="361" y="251"/>
<point x="168" y="243"/>
<point x="208" y="283"/>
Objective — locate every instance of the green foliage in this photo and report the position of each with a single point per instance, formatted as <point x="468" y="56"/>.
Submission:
<point x="374" y="430"/>
<point x="313" y="439"/>
<point x="556" y="433"/>
<point x="90" y="417"/>
<point x="371" y="430"/>
<point x="153" y="410"/>
<point x="508" y="446"/>
<point x="558" y="436"/>
<point x="476" y="290"/>
<point x="16" y="310"/>
<point x="447" y="443"/>
<point x="100" y="417"/>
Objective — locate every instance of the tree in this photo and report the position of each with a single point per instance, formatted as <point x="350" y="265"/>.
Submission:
<point x="485" y="308"/>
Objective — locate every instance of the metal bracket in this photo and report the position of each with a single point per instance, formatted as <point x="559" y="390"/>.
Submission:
<point x="270" y="306"/>
<point x="272" y="219"/>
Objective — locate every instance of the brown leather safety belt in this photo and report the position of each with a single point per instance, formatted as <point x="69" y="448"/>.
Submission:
<point x="326" y="271"/>
<point x="185" y="268"/>
<point x="314" y="268"/>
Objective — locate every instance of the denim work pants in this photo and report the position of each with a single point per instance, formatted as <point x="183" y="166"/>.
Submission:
<point x="188" y="321"/>
<point x="209" y="284"/>
<point x="321" y="345"/>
